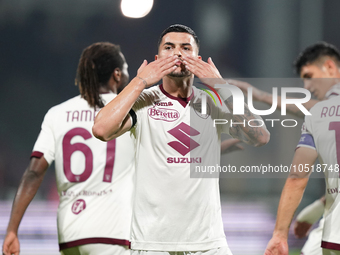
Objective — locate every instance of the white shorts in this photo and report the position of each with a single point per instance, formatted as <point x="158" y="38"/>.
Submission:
<point x="313" y="243"/>
<point x="218" y="251"/>
<point x="96" y="249"/>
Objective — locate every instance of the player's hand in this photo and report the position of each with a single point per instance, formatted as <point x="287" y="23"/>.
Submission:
<point x="257" y="94"/>
<point x="154" y="71"/>
<point x="277" y="246"/>
<point x="11" y="244"/>
<point x="205" y="71"/>
<point x="230" y="145"/>
<point x="301" y="229"/>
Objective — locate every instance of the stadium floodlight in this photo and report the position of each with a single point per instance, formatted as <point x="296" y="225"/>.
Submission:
<point x="136" y="8"/>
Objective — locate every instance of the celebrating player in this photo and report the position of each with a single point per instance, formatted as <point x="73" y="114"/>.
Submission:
<point x="94" y="178"/>
<point x="173" y="212"/>
<point x="320" y="138"/>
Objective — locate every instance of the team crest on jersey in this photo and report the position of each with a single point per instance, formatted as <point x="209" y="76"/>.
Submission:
<point x="163" y="114"/>
<point x="78" y="206"/>
<point x="198" y="110"/>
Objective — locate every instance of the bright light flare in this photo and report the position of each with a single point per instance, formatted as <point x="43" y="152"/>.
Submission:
<point x="136" y="8"/>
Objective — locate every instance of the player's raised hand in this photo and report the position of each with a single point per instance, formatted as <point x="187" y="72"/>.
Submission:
<point x="206" y="71"/>
<point x="277" y="246"/>
<point x="11" y="244"/>
<point x="154" y="71"/>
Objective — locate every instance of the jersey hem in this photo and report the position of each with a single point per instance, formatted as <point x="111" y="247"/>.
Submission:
<point x="93" y="240"/>
<point x="179" y="246"/>
<point x="330" y="246"/>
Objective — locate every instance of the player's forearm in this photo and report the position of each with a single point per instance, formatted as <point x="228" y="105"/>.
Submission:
<point x="255" y="134"/>
<point x="290" y="199"/>
<point x="28" y="187"/>
<point x="111" y="118"/>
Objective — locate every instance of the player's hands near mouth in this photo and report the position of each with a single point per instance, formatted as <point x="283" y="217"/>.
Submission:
<point x="154" y="71"/>
<point x="206" y="71"/>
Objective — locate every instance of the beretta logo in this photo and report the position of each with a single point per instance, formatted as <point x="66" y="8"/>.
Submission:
<point x="163" y="114"/>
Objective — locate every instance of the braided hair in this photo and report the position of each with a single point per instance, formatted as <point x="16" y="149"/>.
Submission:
<point x="96" y="65"/>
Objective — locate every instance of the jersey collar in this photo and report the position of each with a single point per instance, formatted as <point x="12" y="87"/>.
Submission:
<point x="182" y="101"/>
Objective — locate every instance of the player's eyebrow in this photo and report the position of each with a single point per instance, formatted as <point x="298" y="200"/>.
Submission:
<point x="172" y="44"/>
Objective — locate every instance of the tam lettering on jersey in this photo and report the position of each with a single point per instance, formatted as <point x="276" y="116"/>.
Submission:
<point x="94" y="178"/>
<point x="321" y="131"/>
<point x="172" y="211"/>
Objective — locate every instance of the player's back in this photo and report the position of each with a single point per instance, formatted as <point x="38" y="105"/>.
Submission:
<point x="94" y="178"/>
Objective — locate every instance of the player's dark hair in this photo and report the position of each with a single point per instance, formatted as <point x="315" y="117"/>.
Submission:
<point x="178" y="28"/>
<point x="96" y="65"/>
<point x="314" y="53"/>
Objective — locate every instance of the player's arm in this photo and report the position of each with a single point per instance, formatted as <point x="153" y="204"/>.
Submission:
<point x="267" y="98"/>
<point x="290" y="198"/>
<point x="208" y="73"/>
<point x="230" y="145"/>
<point x="28" y="187"/>
<point x="113" y="119"/>
<point x="256" y="136"/>
<point x="308" y="216"/>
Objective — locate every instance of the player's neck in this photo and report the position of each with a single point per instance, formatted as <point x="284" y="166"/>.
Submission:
<point x="178" y="87"/>
<point x="110" y="87"/>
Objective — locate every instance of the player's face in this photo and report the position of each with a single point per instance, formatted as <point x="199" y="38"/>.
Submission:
<point x="317" y="79"/>
<point x="178" y="44"/>
<point x="125" y="75"/>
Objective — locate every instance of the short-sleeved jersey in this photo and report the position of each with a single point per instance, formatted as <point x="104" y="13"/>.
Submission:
<point x="172" y="211"/>
<point x="321" y="131"/>
<point x="94" y="178"/>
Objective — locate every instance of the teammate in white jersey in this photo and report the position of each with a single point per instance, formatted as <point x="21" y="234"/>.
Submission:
<point x="320" y="138"/>
<point x="94" y="178"/>
<point x="174" y="213"/>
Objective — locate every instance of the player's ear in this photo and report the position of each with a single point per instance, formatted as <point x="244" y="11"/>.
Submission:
<point x="156" y="57"/>
<point x="117" y="74"/>
<point x="331" y="67"/>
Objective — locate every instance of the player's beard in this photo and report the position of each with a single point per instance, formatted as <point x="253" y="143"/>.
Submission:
<point x="181" y="74"/>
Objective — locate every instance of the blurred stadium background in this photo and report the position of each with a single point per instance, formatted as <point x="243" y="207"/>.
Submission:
<point x="41" y="42"/>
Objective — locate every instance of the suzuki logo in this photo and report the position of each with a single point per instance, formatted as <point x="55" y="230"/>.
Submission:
<point x="182" y="133"/>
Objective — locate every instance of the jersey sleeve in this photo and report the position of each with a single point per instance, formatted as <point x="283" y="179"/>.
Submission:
<point x="306" y="139"/>
<point x="45" y="143"/>
<point x="145" y="99"/>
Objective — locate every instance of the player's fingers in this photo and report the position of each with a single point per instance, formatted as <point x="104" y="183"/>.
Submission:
<point x="198" y="63"/>
<point x="168" y="70"/>
<point x="210" y="62"/>
<point x="142" y="66"/>
<point x="161" y="62"/>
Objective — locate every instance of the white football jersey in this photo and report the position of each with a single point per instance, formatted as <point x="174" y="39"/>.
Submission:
<point x="321" y="131"/>
<point x="94" y="178"/>
<point x="175" y="209"/>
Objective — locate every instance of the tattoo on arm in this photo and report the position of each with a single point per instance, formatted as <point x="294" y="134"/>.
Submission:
<point x="242" y="130"/>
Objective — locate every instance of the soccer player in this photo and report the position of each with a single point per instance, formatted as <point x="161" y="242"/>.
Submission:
<point x="320" y="139"/>
<point x="94" y="178"/>
<point x="174" y="213"/>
